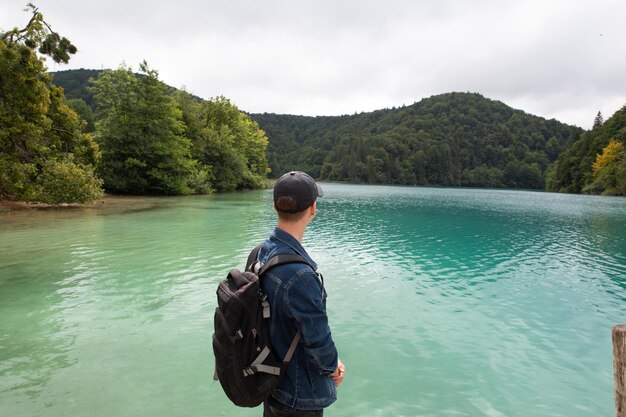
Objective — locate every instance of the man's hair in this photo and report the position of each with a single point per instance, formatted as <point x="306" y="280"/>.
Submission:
<point x="284" y="205"/>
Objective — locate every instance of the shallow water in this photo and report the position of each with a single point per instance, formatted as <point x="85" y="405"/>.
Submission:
<point x="443" y="302"/>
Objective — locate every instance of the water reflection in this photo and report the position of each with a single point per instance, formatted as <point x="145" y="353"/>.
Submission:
<point x="35" y="342"/>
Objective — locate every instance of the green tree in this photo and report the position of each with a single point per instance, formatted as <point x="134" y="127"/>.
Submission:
<point x="84" y="111"/>
<point x="40" y="136"/>
<point x="65" y="181"/>
<point x="598" y="121"/>
<point x="483" y="176"/>
<point x="140" y="131"/>
<point x="228" y="144"/>
<point x="553" y="148"/>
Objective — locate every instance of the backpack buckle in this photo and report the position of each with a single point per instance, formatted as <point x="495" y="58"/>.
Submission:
<point x="266" y="307"/>
<point x="238" y="336"/>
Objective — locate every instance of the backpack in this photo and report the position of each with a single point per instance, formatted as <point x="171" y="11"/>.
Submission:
<point x="245" y="363"/>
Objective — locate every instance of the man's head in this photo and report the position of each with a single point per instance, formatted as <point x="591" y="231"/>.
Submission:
<point x="294" y="195"/>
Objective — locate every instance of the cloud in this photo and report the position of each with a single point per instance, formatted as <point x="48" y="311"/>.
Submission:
<point x="561" y="59"/>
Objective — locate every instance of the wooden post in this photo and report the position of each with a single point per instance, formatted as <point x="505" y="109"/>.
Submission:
<point x="619" y="366"/>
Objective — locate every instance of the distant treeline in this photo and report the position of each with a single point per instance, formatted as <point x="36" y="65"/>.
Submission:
<point x="457" y="139"/>
<point x="450" y="139"/>
<point x="120" y="131"/>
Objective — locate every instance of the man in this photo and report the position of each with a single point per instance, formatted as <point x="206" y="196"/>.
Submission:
<point x="298" y="304"/>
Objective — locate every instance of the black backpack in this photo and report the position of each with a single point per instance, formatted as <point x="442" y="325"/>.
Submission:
<point x="245" y="363"/>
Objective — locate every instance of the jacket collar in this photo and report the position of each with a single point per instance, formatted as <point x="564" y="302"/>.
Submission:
<point x="293" y="243"/>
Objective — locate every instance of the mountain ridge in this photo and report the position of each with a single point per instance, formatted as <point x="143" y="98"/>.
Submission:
<point x="456" y="138"/>
<point x="439" y="140"/>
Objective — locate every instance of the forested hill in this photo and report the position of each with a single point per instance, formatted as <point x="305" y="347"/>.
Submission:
<point x="449" y="139"/>
<point x="75" y="84"/>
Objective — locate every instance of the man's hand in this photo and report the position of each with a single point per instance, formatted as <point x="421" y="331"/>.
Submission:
<point x="339" y="373"/>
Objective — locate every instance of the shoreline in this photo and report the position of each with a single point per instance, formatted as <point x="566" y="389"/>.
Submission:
<point x="25" y="205"/>
<point x="114" y="201"/>
<point x="108" y="201"/>
<point x="7" y="205"/>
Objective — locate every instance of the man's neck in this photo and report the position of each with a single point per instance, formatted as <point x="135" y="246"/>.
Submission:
<point x="294" y="229"/>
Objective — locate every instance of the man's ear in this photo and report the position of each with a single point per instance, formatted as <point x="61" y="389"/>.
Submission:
<point x="313" y="209"/>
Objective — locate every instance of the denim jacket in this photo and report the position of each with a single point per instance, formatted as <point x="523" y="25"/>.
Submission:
<point x="298" y="302"/>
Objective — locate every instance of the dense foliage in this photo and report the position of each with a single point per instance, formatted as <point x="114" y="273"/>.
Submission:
<point x="75" y="84"/>
<point x="595" y="162"/>
<point x="140" y="132"/>
<point x="227" y="148"/>
<point x="84" y="111"/>
<point x="450" y="139"/>
<point x="155" y="140"/>
<point x="229" y="145"/>
<point x="44" y="155"/>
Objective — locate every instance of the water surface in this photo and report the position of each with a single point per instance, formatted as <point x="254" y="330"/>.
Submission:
<point x="443" y="302"/>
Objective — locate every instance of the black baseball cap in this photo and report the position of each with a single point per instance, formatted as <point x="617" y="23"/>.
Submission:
<point x="300" y="186"/>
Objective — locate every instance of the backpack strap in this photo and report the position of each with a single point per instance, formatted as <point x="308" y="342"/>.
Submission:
<point x="258" y="366"/>
<point x="285" y="258"/>
<point x="252" y="258"/>
<point x="282" y="259"/>
<point x="292" y="348"/>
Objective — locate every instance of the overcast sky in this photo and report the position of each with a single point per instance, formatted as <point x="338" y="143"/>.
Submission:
<point x="561" y="59"/>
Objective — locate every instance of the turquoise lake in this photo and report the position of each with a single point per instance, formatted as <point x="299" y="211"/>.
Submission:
<point x="442" y="302"/>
